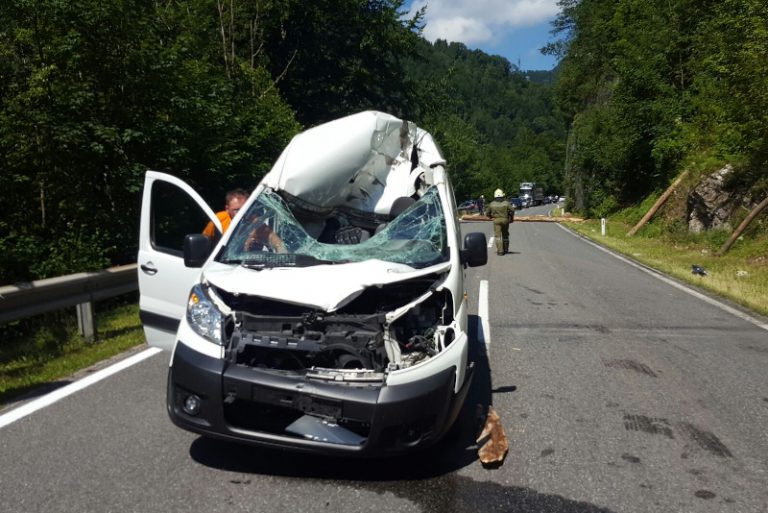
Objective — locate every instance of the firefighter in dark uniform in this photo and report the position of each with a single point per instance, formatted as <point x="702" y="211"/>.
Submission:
<point x="502" y="214"/>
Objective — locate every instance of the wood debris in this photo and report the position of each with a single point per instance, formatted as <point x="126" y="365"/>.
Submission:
<point x="474" y="217"/>
<point x="545" y="219"/>
<point x="493" y="441"/>
<point x="527" y="219"/>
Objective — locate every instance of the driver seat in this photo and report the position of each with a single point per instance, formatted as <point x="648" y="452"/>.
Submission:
<point x="398" y="207"/>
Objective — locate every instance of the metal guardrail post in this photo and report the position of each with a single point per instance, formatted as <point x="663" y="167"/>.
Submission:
<point x="86" y="322"/>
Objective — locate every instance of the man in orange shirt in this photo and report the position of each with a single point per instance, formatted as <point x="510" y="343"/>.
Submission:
<point x="233" y="201"/>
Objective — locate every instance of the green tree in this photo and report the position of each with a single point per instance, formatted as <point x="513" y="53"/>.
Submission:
<point x="730" y="82"/>
<point x="95" y="93"/>
<point x="504" y="128"/>
<point x="625" y="83"/>
<point x="342" y="56"/>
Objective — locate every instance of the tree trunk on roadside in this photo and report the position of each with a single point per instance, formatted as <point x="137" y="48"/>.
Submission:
<point x="656" y="206"/>
<point x="735" y="235"/>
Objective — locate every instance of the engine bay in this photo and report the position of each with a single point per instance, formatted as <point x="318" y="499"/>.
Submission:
<point x="383" y="329"/>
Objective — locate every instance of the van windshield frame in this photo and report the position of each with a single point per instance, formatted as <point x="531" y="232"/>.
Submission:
<point x="268" y="233"/>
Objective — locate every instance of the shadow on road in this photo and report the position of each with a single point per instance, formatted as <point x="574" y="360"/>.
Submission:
<point x="428" y="478"/>
<point x="455" y="451"/>
<point x="13" y="396"/>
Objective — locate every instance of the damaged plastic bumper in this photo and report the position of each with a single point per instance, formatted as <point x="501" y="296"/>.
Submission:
<point x="261" y="407"/>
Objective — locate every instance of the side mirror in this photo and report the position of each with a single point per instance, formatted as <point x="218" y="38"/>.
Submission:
<point x="197" y="248"/>
<point x="475" y="252"/>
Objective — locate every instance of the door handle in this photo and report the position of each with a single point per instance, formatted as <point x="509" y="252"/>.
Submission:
<point x="149" y="268"/>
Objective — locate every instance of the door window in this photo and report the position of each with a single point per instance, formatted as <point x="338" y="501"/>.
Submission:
<point x="174" y="214"/>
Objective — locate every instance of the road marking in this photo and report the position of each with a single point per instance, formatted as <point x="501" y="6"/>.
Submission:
<point x="48" y="399"/>
<point x="669" y="281"/>
<point x="491" y="241"/>
<point x="484" y="327"/>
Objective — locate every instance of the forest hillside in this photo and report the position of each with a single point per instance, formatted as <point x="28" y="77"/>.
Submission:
<point x="95" y="93"/>
<point x="651" y="90"/>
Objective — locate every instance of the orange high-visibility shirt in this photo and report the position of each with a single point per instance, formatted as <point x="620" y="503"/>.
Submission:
<point x="223" y="216"/>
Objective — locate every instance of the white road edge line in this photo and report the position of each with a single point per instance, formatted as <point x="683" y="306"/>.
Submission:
<point x="48" y="399"/>
<point x="491" y="241"/>
<point x="484" y="327"/>
<point x="668" y="281"/>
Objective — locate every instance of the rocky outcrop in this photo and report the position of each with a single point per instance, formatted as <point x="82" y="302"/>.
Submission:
<point x="710" y="205"/>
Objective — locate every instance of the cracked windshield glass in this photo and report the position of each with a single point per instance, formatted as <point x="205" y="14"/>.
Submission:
<point x="269" y="235"/>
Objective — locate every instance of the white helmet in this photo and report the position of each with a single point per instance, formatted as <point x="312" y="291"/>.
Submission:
<point x="498" y="194"/>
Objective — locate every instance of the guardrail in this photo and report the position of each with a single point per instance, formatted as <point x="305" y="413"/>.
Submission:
<point x="80" y="290"/>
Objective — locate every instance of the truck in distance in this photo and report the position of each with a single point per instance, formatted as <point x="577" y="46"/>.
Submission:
<point x="531" y="193"/>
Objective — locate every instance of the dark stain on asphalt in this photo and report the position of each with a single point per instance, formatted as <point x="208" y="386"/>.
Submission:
<point x="630" y="458"/>
<point x="548" y="396"/>
<point x="600" y="328"/>
<point x="654" y="426"/>
<point x="659" y="426"/>
<point x="533" y="290"/>
<point x="547" y="452"/>
<point x="630" y="365"/>
<point x="705" y="494"/>
<point x="461" y="494"/>
<point x="504" y="389"/>
<point x="765" y="399"/>
<point x="425" y="480"/>
<point x="704" y="439"/>
<point x="611" y="404"/>
<point x="757" y="349"/>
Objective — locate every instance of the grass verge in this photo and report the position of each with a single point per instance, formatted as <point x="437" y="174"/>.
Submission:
<point x="741" y="275"/>
<point x="43" y="349"/>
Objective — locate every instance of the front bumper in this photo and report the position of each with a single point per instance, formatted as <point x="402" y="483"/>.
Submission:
<point x="259" y="407"/>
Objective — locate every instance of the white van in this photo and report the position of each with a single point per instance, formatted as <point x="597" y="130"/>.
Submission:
<point x="349" y="336"/>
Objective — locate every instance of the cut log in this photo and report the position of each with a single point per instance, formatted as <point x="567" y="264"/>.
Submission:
<point x="656" y="206"/>
<point x="528" y="219"/>
<point x="735" y="235"/>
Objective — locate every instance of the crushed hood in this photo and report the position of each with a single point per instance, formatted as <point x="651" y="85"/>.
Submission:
<point x="326" y="287"/>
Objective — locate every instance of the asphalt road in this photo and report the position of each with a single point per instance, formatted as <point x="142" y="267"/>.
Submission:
<point x="619" y="393"/>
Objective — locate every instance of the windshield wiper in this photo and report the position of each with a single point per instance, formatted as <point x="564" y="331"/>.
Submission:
<point x="272" y="260"/>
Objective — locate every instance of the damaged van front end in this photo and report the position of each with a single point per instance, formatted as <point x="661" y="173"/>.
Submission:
<point x="388" y="371"/>
<point x="331" y="317"/>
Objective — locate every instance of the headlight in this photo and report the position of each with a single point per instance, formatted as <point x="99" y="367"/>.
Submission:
<point x="203" y="316"/>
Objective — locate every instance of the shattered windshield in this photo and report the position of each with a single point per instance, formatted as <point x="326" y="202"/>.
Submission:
<point x="270" y="236"/>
